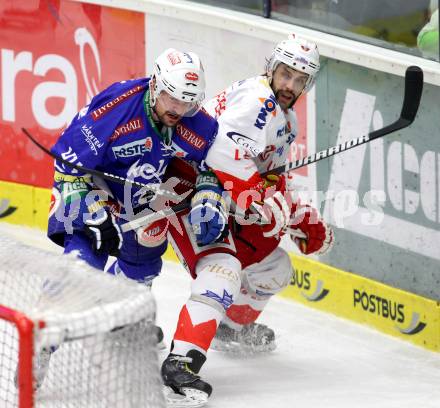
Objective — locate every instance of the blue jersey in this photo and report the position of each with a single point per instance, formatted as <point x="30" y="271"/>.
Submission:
<point x="114" y="134"/>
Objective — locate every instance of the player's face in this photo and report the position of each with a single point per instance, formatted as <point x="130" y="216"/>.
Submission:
<point x="287" y="84"/>
<point x="170" y="110"/>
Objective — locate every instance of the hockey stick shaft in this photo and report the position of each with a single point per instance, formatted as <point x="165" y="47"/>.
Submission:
<point x="167" y="212"/>
<point x="410" y="106"/>
<point x="107" y="176"/>
<point x="154" y="216"/>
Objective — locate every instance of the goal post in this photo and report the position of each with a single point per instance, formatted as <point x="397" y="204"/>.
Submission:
<point x="24" y="329"/>
<point x="99" y="329"/>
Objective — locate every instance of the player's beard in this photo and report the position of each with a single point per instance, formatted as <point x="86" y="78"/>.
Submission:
<point x="285" y="99"/>
<point x="169" y="118"/>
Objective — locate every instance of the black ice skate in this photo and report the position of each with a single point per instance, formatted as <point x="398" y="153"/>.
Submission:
<point x="184" y="388"/>
<point x="253" y="338"/>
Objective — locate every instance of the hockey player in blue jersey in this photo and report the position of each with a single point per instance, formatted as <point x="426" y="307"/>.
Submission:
<point x="133" y="129"/>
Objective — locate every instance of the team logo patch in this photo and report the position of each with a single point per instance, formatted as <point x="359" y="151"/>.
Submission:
<point x="190" y="137"/>
<point x="174" y="58"/>
<point x="191" y="76"/>
<point x="132" y="126"/>
<point x="149" y="143"/>
<point x="173" y="150"/>
<point x="302" y="60"/>
<point x="153" y="235"/>
<point x="104" y="109"/>
<point x="269" y="106"/>
<point x="91" y="139"/>
<point x="244" y="141"/>
<point x="136" y="148"/>
<point x="221" y="103"/>
<point x="148" y="171"/>
<point x="226" y="300"/>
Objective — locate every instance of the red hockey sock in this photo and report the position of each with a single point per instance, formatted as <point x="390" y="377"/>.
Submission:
<point x="199" y="334"/>
<point x="242" y="314"/>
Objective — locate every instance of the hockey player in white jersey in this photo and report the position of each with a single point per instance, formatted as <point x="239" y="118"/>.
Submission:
<point x="235" y="277"/>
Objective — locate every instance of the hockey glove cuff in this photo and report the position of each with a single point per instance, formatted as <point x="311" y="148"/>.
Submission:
<point x="208" y="216"/>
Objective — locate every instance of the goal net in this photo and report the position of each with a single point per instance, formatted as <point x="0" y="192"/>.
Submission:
<point x="73" y="336"/>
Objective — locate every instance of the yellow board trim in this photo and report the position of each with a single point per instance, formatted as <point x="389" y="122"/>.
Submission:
<point x="23" y="204"/>
<point x="392" y="311"/>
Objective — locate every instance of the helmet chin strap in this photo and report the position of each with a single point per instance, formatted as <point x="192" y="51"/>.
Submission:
<point x="269" y="75"/>
<point x="153" y="97"/>
<point x="153" y="100"/>
<point x="154" y="114"/>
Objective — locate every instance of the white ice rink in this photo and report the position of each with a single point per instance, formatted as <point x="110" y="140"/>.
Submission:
<point x="321" y="361"/>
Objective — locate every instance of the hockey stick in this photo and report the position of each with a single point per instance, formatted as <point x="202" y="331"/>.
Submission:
<point x="107" y="176"/>
<point x="412" y="95"/>
<point x="154" y="216"/>
<point x="411" y="102"/>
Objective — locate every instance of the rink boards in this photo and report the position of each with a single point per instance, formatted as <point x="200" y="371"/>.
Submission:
<point x="392" y="311"/>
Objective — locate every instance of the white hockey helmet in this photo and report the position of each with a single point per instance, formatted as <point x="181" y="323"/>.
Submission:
<point x="297" y="53"/>
<point x="182" y="76"/>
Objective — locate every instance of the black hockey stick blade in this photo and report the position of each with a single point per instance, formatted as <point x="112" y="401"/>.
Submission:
<point x="413" y="93"/>
<point x="410" y="106"/>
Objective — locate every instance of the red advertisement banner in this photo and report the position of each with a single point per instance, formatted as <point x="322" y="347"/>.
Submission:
<point x="55" y="55"/>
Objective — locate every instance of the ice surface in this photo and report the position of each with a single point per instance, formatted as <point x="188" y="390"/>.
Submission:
<point x="321" y="361"/>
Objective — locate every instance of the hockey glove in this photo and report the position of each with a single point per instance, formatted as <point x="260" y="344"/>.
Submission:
<point x="208" y="215"/>
<point x="275" y="208"/>
<point x="105" y="233"/>
<point x="319" y="235"/>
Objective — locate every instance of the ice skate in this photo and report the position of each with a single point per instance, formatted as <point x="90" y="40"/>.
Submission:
<point x="253" y="338"/>
<point x="184" y="388"/>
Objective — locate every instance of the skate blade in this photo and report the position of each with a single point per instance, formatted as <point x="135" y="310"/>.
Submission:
<point x="234" y="347"/>
<point x="193" y="398"/>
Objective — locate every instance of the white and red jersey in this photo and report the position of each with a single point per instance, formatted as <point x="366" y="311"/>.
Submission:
<point x="254" y="134"/>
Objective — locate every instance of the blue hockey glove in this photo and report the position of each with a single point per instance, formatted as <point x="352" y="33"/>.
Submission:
<point x="208" y="216"/>
<point x="105" y="233"/>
